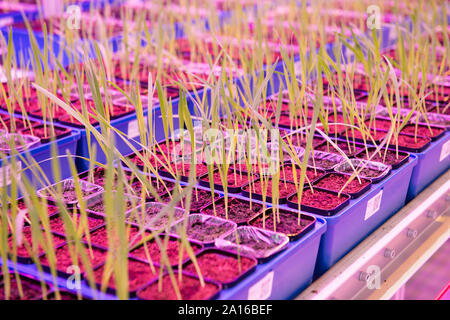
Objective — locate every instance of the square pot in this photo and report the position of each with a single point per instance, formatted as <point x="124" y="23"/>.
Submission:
<point x="335" y="181"/>
<point x="330" y="204"/>
<point x="239" y="211"/>
<point x="254" y="242"/>
<point x="374" y="171"/>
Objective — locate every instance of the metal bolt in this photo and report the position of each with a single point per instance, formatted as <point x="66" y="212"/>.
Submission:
<point x="411" y="233"/>
<point x="389" y="253"/>
<point x="432" y="214"/>
<point x="363" y="276"/>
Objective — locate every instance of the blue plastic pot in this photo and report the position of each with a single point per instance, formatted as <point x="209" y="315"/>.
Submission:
<point x="432" y="162"/>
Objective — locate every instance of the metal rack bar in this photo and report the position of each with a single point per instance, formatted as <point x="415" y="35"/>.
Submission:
<point x="380" y="265"/>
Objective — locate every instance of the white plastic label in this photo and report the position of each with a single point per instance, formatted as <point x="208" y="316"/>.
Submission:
<point x="445" y="151"/>
<point x="262" y="289"/>
<point x="6" y="173"/>
<point x="133" y="128"/>
<point x="373" y="205"/>
<point x="298" y="68"/>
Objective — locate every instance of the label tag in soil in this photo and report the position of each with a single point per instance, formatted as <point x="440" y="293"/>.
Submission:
<point x="133" y="128"/>
<point x="445" y="150"/>
<point x="373" y="205"/>
<point x="6" y="173"/>
<point x="298" y="68"/>
<point x="262" y="289"/>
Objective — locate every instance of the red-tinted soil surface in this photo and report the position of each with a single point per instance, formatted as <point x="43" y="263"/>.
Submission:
<point x="336" y="181"/>
<point x="347" y="147"/>
<point x="406" y="141"/>
<point x="320" y="199"/>
<point x="234" y="179"/>
<point x="154" y="251"/>
<point x="220" y="267"/>
<point x="57" y="223"/>
<point x="100" y="237"/>
<point x="31" y="289"/>
<point x="200" y="198"/>
<point x="190" y="289"/>
<point x="139" y="274"/>
<point x="239" y="211"/>
<point x="27" y="239"/>
<point x="284" y="188"/>
<point x="389" y="157"/>
<point x="287" y="222"/>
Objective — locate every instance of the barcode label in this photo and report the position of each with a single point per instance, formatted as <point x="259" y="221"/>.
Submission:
<point x="6" y="174"/>
<point x="445" y="151"/>
<point x="262" y="289"/>
<point x="133" y="128"/>
<point x="373" y="205"/>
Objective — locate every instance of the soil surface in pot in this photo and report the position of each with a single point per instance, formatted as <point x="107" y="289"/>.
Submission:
<point x="406" y="141"/>
<point x="220" y="267"/>
<point x="69" y="193"/>
<point x="284" y="188"/>
<point x="27" y="241"/>
<point x="21" y="205"/>
<point x="324" y="163"/>
<point x="45" y="132"/>
<point x="31" y="289"/>
<point x="139" y="274"/>
<point x="184" y="169"/>
<point x="379" y="124"/>
<point x="301" y="140"/>
<point x="205" y="231"/>
<point x="366" y="172"/>
<point x="388" y="157"/>
<point x="147" y="218"/>
<point x="64" y="260"/>
<point x="99" y="237"/>
<point x="57" y="223"/>
<point x="154" y="251"/>
<point x="320" y="199"/>
<point x="347" y="147"/>
<point x="421" y="130"/>
<point x="173" y="147"/>
<point x="336" y="181"/>
<point x="239" y="211"/>
<point x="199" y="199"/>
<point x="190" y="289"/>
<point x="152" y="159"/>
<point x="234" y="179"/>
<point x="288" y="222"/>
<point x="357" y="134"/>
<point x="287" y="174"/>
<point x="99" y="207"/>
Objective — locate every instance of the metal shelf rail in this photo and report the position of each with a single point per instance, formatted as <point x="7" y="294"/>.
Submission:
<point x="379" y="266"/>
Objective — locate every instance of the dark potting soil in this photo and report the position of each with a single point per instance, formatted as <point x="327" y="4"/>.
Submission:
<point x="199" y="199"/>
<point x="410" y="141"/>
<point x="45" y="132"/>
<point x="206" y="231"/>
<point x="64" y="260"/>
<point x="28" y="239"/>
<point x="21" y="205"/>
<point x="99" y="207"/>
<point x="366" y="172"/>
<point x="161" y="187"/>
<point x="421" y="130"/>
<point x="300" y="141"/>
<point x="357" y="134"/>
<point x="388" y="157"/>
<point x="379" y="124"/>
<point x="336" y="181"/>
<point x="31" y="289"/>
<point x="190" y="289"/>
<point x="57" y="223"/>
<point x="347" y="147"/>
<point x="65" y="295"/>
<point x="152" y="159"/>
<point x="69" y="194"/>
<point x="219" y="267"/>
<point x="174" y="147"/>
<point x="288" y="222"/>
<point x="151" y="212"/>
<point x="320" y="199"/>
<point x="154" y="251"/>
<point x="234" y="179"/>
<point x="287" y="173"/>
<point x="99" y="237"/>
<point x="139" y="274"/>
<point x="325" y="163"/>
<point x="284" y="188"/>
<point x="256" y="244"/>
<point x="184" y="169"/>
<point x="239" y="211"/>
